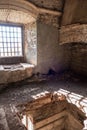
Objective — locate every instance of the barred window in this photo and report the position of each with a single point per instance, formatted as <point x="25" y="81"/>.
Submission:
<point x="10" y="41"/>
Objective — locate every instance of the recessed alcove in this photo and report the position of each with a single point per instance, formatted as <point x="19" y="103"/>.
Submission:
<point x="13" y="66"/>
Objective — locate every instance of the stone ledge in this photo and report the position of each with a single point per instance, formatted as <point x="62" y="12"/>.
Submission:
<point x="14" y="73"/>
<point x="76" y="33"/>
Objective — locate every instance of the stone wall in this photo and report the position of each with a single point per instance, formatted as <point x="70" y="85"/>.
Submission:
<point x="75" y="33"/>
<point x="50" y="55"/>
<point x="30" y="43"/>
<point x="74" y="12"/>
<point x="15" y="73"/>
<point x="79" y="58"/>
<point x="80" y="15"/>
<point x="76" y="37"/>
<point x="49" y="19"/>
<point x="69" y="12"/>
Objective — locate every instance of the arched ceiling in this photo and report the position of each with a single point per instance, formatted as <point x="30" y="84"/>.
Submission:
<point x="17" y="12"/>
<point x="22" y="11"/>
<point x="15" y="16"/>
<point x="19" y="5"/>
<point x="26" y="6"/>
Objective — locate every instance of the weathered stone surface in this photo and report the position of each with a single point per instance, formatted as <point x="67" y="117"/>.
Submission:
<point x="19" y="5"/>
<point x="50" y="55"/>
<point x="30" y="34"/>
<point x="15" y="74"/>
<point x="49" y="19"/>
<point x="76" y="37"/>
<point x="15" y="16"/>
<point x="74" y="12"/>
<point x="79" y="58"/>
<point x="54" y="4"/>
<point x="75" y="33"/>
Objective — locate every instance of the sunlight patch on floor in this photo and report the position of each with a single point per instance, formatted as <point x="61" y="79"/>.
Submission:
<point x="79" y="100"/>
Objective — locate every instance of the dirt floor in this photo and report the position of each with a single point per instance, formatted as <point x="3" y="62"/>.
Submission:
<point x="24" y="91"/>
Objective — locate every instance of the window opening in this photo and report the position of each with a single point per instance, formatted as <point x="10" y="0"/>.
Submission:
<point x="10" y="41"/>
